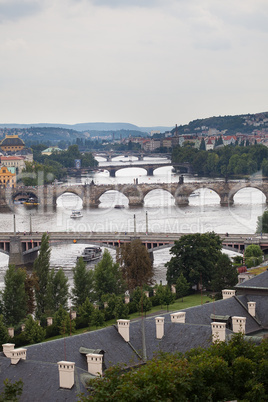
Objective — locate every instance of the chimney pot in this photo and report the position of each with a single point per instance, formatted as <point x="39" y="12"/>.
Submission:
<point x="17" y="354"/>
<point x="66" y="374"/>
<point x="123" y="328"/>
<point x="94" y="363"/>
<point x="252" y="308"/>
<point x="7" y="348"/>
<point x="178" y="317"/>
<point x="226" y="293"/>
<point x="73" y="315"/>
<point x="218" y="331"/>
<point x="239" y="324"/>
<point x="11" y="332"/>
<point x="159" y="321"/>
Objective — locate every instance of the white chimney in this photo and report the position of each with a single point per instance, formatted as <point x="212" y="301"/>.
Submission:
<point x="73" y="315"/>
<point x="66" y="374"/>
<point x="17" y="354"/>
<point x="178" y="317"/>
<point x="49" y="321"/>
<point x="7" y="348"/>
<point x="94" y="363"/>
<point x="11" y="332"/>
<point x="159" y="321"/>
<point x="239" y="324"/>
<point x="252" y="308"/>
<point x="218" y="331"/>
<point x="123" y="328"/>
<point x="173" y="289"/>
<point x="226" y="293"/>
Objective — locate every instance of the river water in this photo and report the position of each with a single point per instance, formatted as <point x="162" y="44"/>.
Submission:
<point x="203" y="214"/>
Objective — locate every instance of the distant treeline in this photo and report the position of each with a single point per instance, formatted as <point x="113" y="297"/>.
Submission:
<point x="224" y="161"/>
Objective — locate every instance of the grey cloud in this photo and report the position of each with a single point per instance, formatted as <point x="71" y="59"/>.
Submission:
<point x="128" y="3"/>
<point x="14" y="10"/>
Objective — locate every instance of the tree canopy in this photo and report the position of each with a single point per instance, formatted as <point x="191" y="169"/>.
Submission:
<point x="107" y="276"/>
<point x="83" y="283"/>
<point x="14" y="295"/>
<point x="236" y="370"/>
<point x="262" y="223"/>
<point x="135" y="263"/>
<point x="194" y="256"/>
<point x="41" y="267"/>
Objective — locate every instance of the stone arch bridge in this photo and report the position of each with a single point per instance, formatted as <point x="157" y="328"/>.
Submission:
<point x="91" y="193"/>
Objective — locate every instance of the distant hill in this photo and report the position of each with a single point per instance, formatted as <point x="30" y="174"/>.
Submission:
<point x="81" y="127"/>
<point x="244" y="123"/>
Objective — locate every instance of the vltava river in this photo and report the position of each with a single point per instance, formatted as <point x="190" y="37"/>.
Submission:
<point x="203" y="214"/>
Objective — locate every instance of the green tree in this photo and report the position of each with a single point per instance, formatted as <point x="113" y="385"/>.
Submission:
<point x="107" y="276"/>
<point x="182" y="287"/>
<point x="34" y="333"/>
<point x="11" y="392"/>
<point x="85" y="312"/>
<point x="195" y="256"/>
<point x="262" y="223"/>
<point x="31" y="283"/>
<point x="57" y="290"/>
<point x="41" y="268"/>
<point x="63" y="323"/>
<point x="83" y="283"/>
<point x="3" y="331"/>
<point x="160" y="294"/>
<point x="97" y="318"/>
<point x="14" y="296"/>
<point x="135" y="263"/>
<point x="253" y="255"/>
<point x="168" y="296"/>
<point x="202" y="145"/>
<point x="225" y="275"/>
<point x="145" y="304"/>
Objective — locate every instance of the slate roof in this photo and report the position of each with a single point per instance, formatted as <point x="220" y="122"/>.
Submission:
<point x="258" y="282"/>
<point x="40" y="371"/>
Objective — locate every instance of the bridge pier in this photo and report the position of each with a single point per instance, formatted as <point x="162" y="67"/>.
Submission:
<point x="226" y="200"/>
<point x="112" y="172"/>
<point x="150" y="171"/>
<point x="182" y="200"/>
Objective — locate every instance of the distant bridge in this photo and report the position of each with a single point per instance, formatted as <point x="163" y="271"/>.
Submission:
<point x="23" y="248"/>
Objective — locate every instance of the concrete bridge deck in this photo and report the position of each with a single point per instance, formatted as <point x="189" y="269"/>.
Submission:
<point x="28" y="245"/>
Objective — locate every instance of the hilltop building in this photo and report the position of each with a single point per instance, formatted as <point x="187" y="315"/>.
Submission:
<point x="58" y="370"/>
<point x="11" y="143"/>
<point x="51" y="150"/>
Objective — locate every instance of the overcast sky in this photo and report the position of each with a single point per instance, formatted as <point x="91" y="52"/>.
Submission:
<point x="146" y="62"/>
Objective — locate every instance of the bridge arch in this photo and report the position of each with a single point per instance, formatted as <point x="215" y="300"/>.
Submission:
<point x="160" y="197"/>
<point x="261" y="196"/>
<point x="69" y="199"/>
<point x="113" y="198"/>
<point x="130" y="171"/>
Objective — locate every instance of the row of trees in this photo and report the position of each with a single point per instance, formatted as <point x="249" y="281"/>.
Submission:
<point x="224" y="161"/>
<point x="43" y="292"/>
<point x="236" y="370"/>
